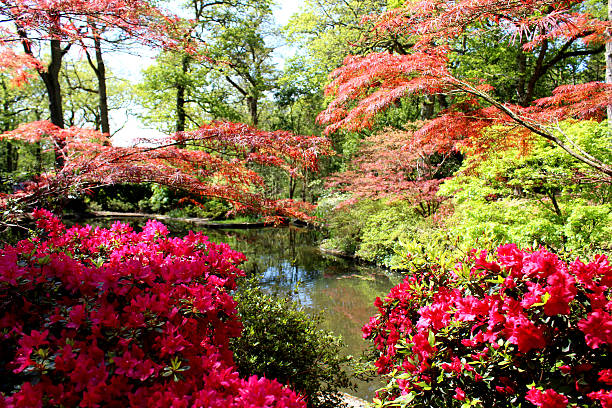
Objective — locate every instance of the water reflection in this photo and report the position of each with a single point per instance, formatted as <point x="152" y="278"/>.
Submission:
<point x="290" y="263"/>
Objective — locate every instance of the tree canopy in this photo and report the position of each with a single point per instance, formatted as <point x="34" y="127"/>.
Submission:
<point x="544" y="33"/>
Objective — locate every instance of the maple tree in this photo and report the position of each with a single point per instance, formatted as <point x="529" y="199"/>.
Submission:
<point x="216" y="166"/>
<point x="366" y="85"/>
<point x="387" y="167"/>
<point x="36" y="24"/>
<point x="61" y="24"/>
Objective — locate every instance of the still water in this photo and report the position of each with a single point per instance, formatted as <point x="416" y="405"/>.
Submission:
<point x="290" y="263"/>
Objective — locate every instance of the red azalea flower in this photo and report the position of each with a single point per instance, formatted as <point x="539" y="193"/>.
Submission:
<point x="459" y="394"/>
<point x="605" y="376"/>
<point x="604" y="398"/>
<point x="597" y="328"/>
<point x="562" y="291"/>
<point x="547" y="399"/>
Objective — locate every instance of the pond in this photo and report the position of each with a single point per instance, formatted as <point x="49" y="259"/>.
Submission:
<point x="291" y="264"/>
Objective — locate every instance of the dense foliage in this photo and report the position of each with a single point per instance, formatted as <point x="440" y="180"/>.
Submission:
<point x="281" y="341"/>
<point x="375" y="231"/>
<point x="92" y="316"/>
<point x="498" y="329"/>
<point x="456" y="123"/>
<point x="542" y="197"/>
<point x="432" y="37"/>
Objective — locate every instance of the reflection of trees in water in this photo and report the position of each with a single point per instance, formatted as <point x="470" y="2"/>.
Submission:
<point x="283" y="257"/>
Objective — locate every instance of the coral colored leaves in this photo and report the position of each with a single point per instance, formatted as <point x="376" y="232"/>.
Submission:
<point x="91" y="162"/>
<point x="512" y="328"/>
<point x="110" y="317"/>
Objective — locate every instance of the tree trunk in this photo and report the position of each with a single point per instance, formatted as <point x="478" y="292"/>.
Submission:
<point x="252" y="105"/>
<point x="291" y="187"/>
<point x="427" y="109"/>
<point x="442" y="101"/>
<point x="102" y="93"/>
<point x="103" y="124"/>
<point x="51" y="79"/>
<point x="521" y="62"/>
<point x="304" y="185"/>
<point x="39" y="157"/>
<point x="54" y="92"/>
<point x="181" y="116"/>
<point x="11" y="157"/>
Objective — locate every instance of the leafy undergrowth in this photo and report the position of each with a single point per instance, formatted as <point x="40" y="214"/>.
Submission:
<point x="110" y="317"/>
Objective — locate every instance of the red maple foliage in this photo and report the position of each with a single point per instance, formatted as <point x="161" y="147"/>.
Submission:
<point x="218" y="165"/>
<point x="76" y="20"/>
<point x="366" y="85"/>
<point x="396" y="165"/>
<point x="42" y="27"/>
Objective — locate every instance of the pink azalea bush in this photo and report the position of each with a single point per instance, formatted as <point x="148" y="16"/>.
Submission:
<point x="513" y="328"/>
<point x="109" y="317"/>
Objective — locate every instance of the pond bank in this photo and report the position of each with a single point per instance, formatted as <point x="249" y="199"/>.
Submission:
<point x="204" y="222"/>
<point x="354" y="402"/>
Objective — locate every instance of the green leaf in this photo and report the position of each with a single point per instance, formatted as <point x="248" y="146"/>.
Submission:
<point x="45" y="260"/>
<point x="431" y="338"/>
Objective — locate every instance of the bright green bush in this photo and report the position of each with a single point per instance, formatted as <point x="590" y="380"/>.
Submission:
<point x="211" y="209"/>
<point x="376" y="231"/>
<point x="280" y="341"/>
<point x="385" y="229"/>
<point x="541" y="198"/>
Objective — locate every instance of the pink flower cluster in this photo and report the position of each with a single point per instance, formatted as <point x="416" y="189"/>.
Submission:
<point x="109" y="317"/>
<point x="514" y="326"/>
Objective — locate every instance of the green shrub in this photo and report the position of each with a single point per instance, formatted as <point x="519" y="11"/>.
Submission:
<point x="541" y="198"/>
<point x="282" y="342"/>
<point x="375" y="231"/>
<point x="386" y="228"/>
<point x="211" y="209"/>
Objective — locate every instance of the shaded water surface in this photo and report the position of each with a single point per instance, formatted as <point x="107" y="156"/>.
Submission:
<point x="290" y="263"/>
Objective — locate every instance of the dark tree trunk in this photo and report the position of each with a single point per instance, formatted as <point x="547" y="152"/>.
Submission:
<point x="99" y="68"/>
<point x="51" y="79"/>
<point x="39" y="158"/>
<point x="181" y="91"/>
<point x="54" y="91"/>
<point x="11" y="157"/>
<point x="102" y="93"/>
<point x="427" y="110"/>
<point x="252" y="105"/>
<point x="305" y="185"/>
<point x="291" y="187"/>
<point x="442" y="101"/>
<point x="521" y="62"/>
